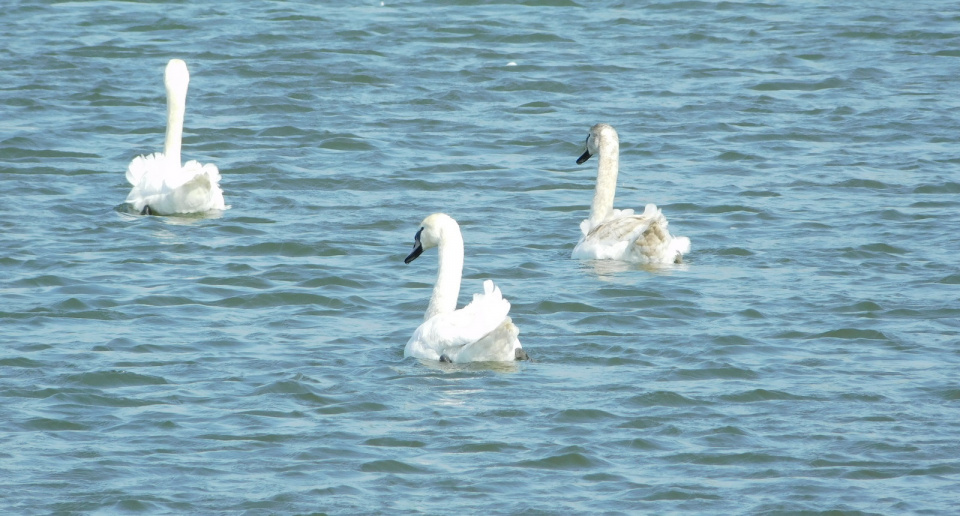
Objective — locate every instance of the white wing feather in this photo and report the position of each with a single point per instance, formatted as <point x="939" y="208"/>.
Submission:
<point x="625" y="236"/>
<point x="169" y="188"/>
<point x="461" y="335"/>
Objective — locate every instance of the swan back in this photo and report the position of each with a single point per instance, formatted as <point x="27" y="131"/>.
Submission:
<point x="170" y="189"/>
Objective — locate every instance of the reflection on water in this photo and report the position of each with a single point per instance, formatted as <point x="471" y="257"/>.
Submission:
<point x="126" y="212"/>
<point x="448" y="367"/>
<point x="611" y="270"/>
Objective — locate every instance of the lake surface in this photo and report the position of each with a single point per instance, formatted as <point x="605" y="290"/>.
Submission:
<point x="804" y="359"/>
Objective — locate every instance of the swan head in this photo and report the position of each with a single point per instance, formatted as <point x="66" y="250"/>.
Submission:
<point x="431" y="232"/>
<point x="176" y="77"/>
<point x="601" y="135"/>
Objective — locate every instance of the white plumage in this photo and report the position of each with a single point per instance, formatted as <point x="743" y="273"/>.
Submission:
<point x="479" y="332"/>
<point x="161" y="185"/>
<point x="611" y="234"/>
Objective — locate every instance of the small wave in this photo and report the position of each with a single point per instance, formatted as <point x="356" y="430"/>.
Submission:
<point x="862" y="183"/>
<point x="553" y="307"/>
<point x="393" y="442"/>
<point x="825" y="84"/>
<point x="757" y="395"/>
<point x="582" y="416"/>
<point x="663" y="399"/>
<point x="730" y="459"/>
<point x="573" y="461"/>
<point x="851" y="333"/>
<point x="393" y="466"/>
<point x="953" y="279"/>
<point x="115" y="379"/>
<point x="945" y="188"/>
<point x="738" y="156"/>
<point x="52" y="425"/>
<point x="734" y="251"/>
<point x="713" y="373"/>
<point x="15" y="153"/>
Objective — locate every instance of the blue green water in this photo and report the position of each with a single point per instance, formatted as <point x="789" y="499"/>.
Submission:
<point x="803" y="359"/>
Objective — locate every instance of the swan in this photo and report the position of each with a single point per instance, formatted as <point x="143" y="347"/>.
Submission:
<point x="611" y="234"/>
<point x="161" y="186"/>
<point x="479" y="332"/>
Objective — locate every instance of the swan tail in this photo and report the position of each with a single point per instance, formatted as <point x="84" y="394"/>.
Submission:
<point x="679" y="246"/>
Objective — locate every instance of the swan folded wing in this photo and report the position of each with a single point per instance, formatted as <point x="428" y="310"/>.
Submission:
<point x="655" y="244"/>
<point x="169" y="188"/>
<point x="149" y="175"/>
<point x="499" y="345"/>
<point x="454" y="333"/>
<point x="200" y="191"/>
<point x="625" y="236"/>
<point x="145" y="175"/>
<point x="146" y="172"/>
<point x="612" y="238"/>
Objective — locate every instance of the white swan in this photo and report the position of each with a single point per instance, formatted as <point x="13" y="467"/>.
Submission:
<point x="478" y="332"/>
<point x="611" y="234"/>
<point x="161" y="185"/>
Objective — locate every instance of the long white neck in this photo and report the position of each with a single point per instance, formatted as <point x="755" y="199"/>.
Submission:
<point x="607" y="169"/>
<point x="176" y="81"/>
<point x="449" y="272"/>
<point x="176" y="105"/>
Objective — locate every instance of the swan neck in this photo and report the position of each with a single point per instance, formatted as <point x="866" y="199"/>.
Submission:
<point x="176" y="106"/>
<point x="449" y="272"/>
<point x="607" y="170"/>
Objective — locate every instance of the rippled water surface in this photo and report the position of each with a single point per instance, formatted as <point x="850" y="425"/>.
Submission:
<point x="804" y="357"/>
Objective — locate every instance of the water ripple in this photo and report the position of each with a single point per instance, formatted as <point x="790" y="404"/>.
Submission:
<point x="252" y="361"/>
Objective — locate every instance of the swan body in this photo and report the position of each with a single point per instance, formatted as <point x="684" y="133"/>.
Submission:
<point x="161" y="185"/>
<point x="479" y="332"/>
<point x="611" y="234"/>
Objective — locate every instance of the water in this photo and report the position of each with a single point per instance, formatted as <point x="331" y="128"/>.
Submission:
<point x="804" y="358"/>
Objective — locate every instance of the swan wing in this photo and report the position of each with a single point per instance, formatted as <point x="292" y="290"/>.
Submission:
<point x="625" y="236"/>
<point x="199" y="191"/>
<point x="461" y="334"/>
<point x="169" y="188"/>
<point x="144" y="167"/>
<point x="499" y="345"/>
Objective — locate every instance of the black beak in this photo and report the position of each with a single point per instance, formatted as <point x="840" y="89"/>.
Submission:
<point x="417" y="248"/>
<point x="583" y="157"/>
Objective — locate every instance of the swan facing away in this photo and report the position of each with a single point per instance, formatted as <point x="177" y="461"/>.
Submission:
<point x="161" y="185"/>
<point x="479" y="332"/>
<point x="611" y="234"/>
